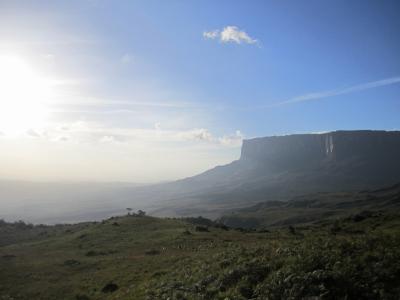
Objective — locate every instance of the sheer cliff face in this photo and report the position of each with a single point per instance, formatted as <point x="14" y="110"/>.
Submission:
<point x="282" y="167"/>
<point x="286" y="152"/>
<point x="303" y="151"/>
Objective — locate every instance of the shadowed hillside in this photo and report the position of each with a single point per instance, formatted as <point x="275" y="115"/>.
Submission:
<point x="316" y="207"/>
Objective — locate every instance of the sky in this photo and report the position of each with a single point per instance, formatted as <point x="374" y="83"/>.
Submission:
<point x="147" y="91"/>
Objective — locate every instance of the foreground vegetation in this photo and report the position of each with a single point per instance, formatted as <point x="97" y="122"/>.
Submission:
<point x="139" y="257"/>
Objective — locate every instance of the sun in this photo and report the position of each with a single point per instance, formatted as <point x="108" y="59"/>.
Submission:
<point x="23" y="94"/>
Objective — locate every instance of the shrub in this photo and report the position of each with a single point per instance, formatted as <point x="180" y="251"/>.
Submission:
<point x="201" y="229"/>
<point x="110" y="288"/>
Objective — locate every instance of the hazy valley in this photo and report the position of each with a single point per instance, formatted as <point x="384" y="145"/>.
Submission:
<point x="269" y="169"/>
<point x="199" y="150"/>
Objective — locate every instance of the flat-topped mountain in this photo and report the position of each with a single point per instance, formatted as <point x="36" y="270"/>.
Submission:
<point x="275" y="168"/>
<point x="304" y="151"/>
<point x="280" y="167"/>
<point x="362" y="153"/>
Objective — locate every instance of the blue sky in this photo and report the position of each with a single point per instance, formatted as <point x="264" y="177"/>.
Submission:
<point x="147" y="74"/>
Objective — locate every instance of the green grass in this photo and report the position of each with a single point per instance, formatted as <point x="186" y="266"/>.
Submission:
<point x="152" y="258"/>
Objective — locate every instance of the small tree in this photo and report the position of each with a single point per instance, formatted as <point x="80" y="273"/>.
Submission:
<point x="129" y="210"/>
<point x="141" y="213"/>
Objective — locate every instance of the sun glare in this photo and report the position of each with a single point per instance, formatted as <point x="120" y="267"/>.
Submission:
<point x="22" y="96"/>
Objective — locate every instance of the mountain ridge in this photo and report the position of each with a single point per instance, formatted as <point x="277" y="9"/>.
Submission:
<point x="275" y="168"/>
<point x="280" y="167"/>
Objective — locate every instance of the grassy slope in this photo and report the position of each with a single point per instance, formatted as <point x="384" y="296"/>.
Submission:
<point x="315" y="207"/>
<point x="150" y="258"/>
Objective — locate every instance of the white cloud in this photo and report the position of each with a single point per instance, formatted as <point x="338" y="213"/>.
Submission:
<point x="95" y="151"/>
<point x="108" y="139"/>
<point x="203" y="135"/>
<point x="91" y="133"/>
<point x="200" y="134"/>
<point x="233" y="34"/>
<point x="211" y="34"/>
<point x="337" y="92"/>
<point x="156" y="149"/>
<point x="234" y="140"/>
<point x="33" y="133"/>
<point x="230" y="34"/>
<point x="61" y="138"/>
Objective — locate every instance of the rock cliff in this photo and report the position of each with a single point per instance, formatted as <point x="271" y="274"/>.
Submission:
<point x="283" y="167"/>
<point x="302" y="149"/>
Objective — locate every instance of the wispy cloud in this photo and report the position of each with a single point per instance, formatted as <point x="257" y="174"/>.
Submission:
<point x="211" y="34"/>
<point x="98" y="105"/>
<point x="146" y="153"/>
<point x="91" y="132"/>
<point x="336" y="92"/>
<point x="230" y="34"/>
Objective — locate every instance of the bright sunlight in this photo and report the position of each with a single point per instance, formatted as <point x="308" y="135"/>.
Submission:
<point x="22" y="96"/>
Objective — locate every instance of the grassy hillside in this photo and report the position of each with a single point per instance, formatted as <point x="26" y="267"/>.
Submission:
<point x="136" y="257"/>
<point x="313" y="208"/>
